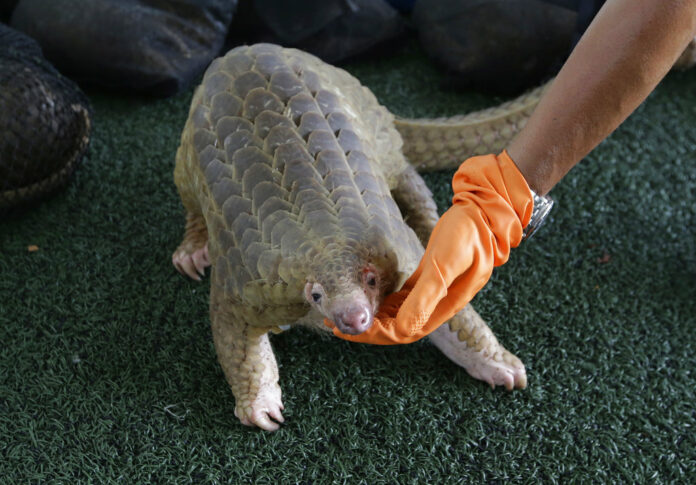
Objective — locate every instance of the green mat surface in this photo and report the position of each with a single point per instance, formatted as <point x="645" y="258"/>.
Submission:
<point x="108" y="372"/>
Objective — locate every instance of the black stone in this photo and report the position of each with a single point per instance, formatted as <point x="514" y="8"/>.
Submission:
<point x="333" y="30"/>
<point x="503" y="46"/>
<point x="151" y="46"/>
<point x="6" y="8"/>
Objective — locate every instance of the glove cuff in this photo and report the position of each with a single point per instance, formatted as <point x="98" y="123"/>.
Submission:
<point x="498" y="188"/>
<point x="520" y="195"/>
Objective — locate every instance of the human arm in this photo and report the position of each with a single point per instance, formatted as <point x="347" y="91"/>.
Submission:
<point x="622" y="56"/>
<point x="627" y="49"/>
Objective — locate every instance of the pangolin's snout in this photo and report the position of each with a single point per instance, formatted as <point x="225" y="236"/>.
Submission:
<point x="353" y="321"/>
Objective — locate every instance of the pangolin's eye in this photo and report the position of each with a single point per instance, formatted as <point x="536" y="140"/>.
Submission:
<point x="316" y="297"/>
<point x="370" y="278"/>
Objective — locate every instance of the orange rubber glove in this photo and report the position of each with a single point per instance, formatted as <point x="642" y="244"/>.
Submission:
<point x="491" y="206"/>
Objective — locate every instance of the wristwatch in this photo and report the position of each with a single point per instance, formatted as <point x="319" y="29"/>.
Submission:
<point x="542" y="207"/>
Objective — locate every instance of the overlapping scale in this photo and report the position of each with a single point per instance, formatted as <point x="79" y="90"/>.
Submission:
<point x="292" y="166"/>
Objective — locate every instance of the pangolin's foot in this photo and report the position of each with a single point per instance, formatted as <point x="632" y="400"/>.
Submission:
<point x="191" y="262"/>
<point x="262" y="410"/>
<point x="480" y="354"/>
<point x="501" y="369"/>
<point x="191" y="257"/>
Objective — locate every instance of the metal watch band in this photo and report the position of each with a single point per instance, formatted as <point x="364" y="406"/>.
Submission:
<point x="542" y="207"/>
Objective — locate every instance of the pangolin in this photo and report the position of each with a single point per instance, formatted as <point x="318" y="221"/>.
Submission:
<point x="299" y="196"/>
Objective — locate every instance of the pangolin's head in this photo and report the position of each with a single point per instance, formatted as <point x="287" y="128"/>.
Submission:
<point x="348" y="288"/>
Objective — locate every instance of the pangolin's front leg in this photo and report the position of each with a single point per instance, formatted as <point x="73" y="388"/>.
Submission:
<point x="466" y="339"/>
<point x="468" y="342"/>
<point x="191" y="257"/>
<point x="416" y="203"/>
<point x="246" y="357"/>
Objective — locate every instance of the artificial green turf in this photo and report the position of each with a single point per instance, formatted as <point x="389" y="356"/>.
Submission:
<point x="108" y="372"/>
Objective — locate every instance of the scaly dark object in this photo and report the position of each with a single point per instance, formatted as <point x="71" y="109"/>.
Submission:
<point x="44" y="123"/>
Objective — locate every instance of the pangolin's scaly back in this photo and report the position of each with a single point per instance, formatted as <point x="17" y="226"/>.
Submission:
<point x="290" y="160"/>
<point x="441" y="143"/>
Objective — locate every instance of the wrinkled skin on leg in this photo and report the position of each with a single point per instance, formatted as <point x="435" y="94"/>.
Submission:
<point x="247" y="360"/>
<point x="244" y="351"/>
<point x="469" y="343"/>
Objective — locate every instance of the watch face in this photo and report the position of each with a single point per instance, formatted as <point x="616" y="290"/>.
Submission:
<point x="542" y="206"/>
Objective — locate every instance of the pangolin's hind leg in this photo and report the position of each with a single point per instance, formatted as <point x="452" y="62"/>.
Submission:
<point x="469" y="343"/>
<point x="191" y="257"/>
<point x="416" y="203"/>
<point x="466" y="339"/>
<point x="247" y="360"/>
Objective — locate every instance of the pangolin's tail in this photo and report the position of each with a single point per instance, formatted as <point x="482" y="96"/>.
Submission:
<point x="442" y="143"/>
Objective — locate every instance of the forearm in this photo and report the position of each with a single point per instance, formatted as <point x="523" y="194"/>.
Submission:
<point x="626" y="51"/>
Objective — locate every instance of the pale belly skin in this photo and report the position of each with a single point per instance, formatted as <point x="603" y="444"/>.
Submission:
<point x="290" y="172"/>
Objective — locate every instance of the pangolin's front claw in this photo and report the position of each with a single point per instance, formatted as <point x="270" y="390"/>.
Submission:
<point x="479" y="352"/>
<point x="506" y="372"/>
<point x="192" y="264"/>
<point x="264" y="412"/>
<point x="200" y="259"/>
<point x="191" y="257"/>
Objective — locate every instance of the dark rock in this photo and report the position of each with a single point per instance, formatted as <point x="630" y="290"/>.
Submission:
<point x="503" y="46"/>
<point x="294" y="21"/>
<point x="44" y="122"/>
<point x="248" y="27"/>
<point x="333" y="30"/>
<point x="6" y="8"/>
<point x="402" y="5"/>
<point x="369" y="23"/>
<point x="150" y="46"/>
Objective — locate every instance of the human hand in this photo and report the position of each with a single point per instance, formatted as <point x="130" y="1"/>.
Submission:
<point x="491" y="206"/>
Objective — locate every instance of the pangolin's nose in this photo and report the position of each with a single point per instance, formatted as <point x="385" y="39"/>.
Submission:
<point x="355" y="320"/>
